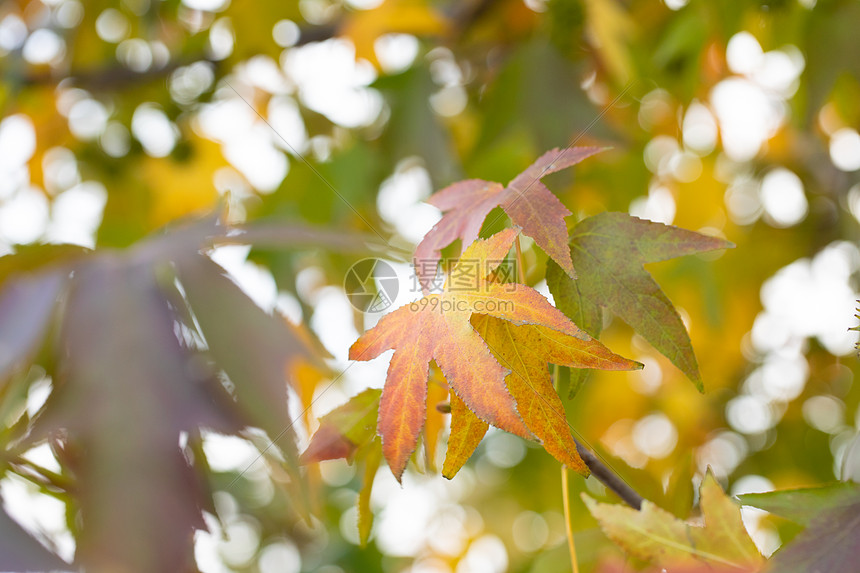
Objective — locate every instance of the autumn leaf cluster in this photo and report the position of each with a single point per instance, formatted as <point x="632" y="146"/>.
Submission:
<point x="142" y="336"/>
<point x="493" y="341"/>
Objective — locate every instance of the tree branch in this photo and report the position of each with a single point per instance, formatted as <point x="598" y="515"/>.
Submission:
<point x="608" y="477"/>
<point x="112" y="77"/>
<point x="467" y="13"/>
<point x="119" y="77"/>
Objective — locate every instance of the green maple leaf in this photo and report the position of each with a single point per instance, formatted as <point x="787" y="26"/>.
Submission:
<point x="609" y="251"/>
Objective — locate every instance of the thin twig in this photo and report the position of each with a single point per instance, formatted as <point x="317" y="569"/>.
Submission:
<point x="114" y="77"/>
<point x="521" y="269"/>
<point x="565" y="494"/>
<point x="568" y="526"/>
<point x="601" y="471"/>
<point x="608" y="477"/>
<point x="465" y="14"/>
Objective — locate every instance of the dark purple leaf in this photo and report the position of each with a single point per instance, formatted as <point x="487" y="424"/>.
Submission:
<point x="831" y="544"/>
<point x="20" y="552"/>
<point x="124" y="392"/>
<point x="26" y="305"/>
<point x="264" y="234"/>
<point x="255" y="349"/>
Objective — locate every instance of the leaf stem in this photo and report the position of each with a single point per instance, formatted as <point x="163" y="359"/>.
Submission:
<point x="602" y="472"/>
<point x="568" y="527"/>
<point x="599" y="470"/>
<point x="565" y="493"/>
<point x="36" y="473"/>
<point x="521" y="269"/>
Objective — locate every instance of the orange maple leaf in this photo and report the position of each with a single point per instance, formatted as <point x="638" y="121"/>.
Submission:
<point x="526" y="200"/>
<point x="526" y="350"/>
<point x="437" y="327"/>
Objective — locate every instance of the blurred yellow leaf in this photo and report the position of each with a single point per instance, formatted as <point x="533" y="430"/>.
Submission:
<point x="51" y="128"/>
<point x="611" y="28"/>
<point x="371" y="463"/>
<point x="700" y="203"/>
<point x="305" y="377"/>
<point x="392" y="16"/>
<point x="180" y="188"/>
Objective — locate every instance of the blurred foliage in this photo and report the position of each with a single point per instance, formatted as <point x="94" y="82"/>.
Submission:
<point x="164" y="110"/>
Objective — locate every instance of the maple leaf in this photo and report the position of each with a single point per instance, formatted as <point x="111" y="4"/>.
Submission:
<point x="28" y="259"/>
<point x="123" y="413"/>
<point x="609" y="251"/>
<point x="345" y="429"/>
<point x="26" y="305"/>
<point x="830" y="543"/>
<point x="802" y="505"/>
<point x="437" y="327"/>
<point x="131" y="376"/>
<point x="655" y="535"/>
<point x="831" y="514"/>
<point x="624" y="567"/>
<point x="21" y="552"/>
<point x="258" y="361"/>
<point x="349" y="431"/>
<point x="467" y="431"/>
<point x="526" y="350"/>
<point x="526" y="200"/>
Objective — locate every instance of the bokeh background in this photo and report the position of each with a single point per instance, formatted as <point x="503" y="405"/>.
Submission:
<point x="734" y="117"/>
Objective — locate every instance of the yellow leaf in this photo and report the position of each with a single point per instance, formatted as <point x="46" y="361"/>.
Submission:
<point x="611" y="28"/>
<point x="365" y="515"/>
<point x="181" y="188"/>
<point x="305" y="377"/>
<point x="437" y="392"/>
<point x="525" y="350"/>
<point x="656" y="536"/>
<point x="392" y="16"/>
<point x="467" y="431"/>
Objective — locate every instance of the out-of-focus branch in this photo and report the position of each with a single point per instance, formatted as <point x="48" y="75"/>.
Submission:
<point x="109" y="78"/>
<point x="116" y="77"/>
<point x="467" y="13"/>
